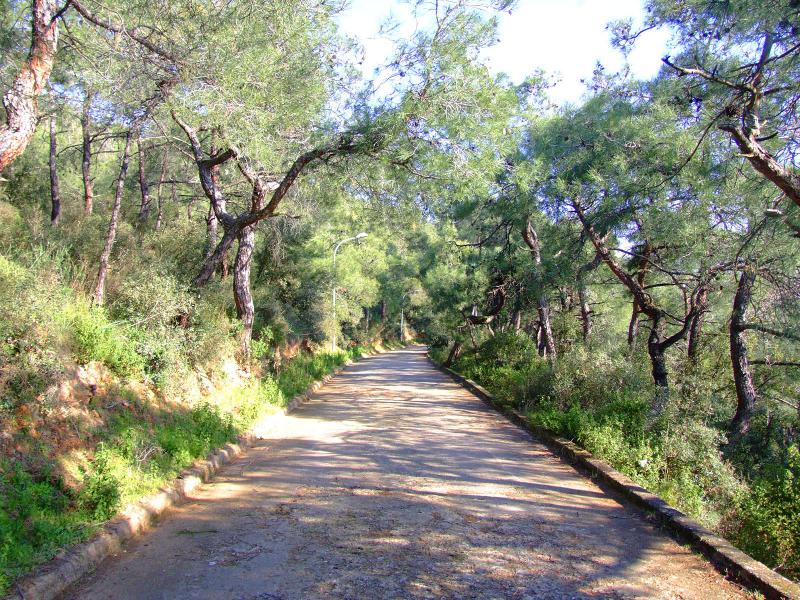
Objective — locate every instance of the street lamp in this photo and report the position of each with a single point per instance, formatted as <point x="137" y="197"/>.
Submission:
<point x="402" y="319"/>
<point x="357" y="237"/>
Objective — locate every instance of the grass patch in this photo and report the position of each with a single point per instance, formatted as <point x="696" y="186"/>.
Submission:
<point x="305" y="369"/>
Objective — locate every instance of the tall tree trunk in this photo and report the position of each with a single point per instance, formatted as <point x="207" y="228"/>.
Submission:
<point x="516" y="320"/>
<point x="382" y="308"/>
<point x="144" y="207"/>
<point x="86" y="160"/>
<point x="700" y="307"/>
<point x="746" y="395"/>
<point x="633" y="325"/>
<point x="211" y="231"/>
<point x="584" y="306"/>
<point x="636" y="308"/>
<point x="695" y="331"/>
<point x="656" y="345"/>
<point x="214" y="259"/>
<point x="455" y="352"/>
<point x="102" y="272"/>
<point x="548" y="344"/>
<point x="245" y="308"/>
<point x="55" y="195"/>
<point x="657" y="358"/>
<point x="159" y="193"/>
<point x="585" y="313"/>
<point x="21" y="101"/>
<point x="658" y="363"/>
<point x="224" y="266"/>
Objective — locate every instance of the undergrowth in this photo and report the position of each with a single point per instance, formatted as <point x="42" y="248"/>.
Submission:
<point x="137" y="454"/>
<point x="131" y="442"/>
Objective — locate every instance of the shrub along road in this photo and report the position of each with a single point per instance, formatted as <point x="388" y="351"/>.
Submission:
<point x="395" y="482"/>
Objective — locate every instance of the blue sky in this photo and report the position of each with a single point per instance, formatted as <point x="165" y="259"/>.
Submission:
<point x="564" y="37"/>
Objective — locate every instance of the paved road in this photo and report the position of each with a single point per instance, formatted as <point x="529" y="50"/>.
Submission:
<point x="397" y="483"/>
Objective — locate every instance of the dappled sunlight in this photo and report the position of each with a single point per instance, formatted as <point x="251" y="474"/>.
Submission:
<point x="396" y="483"/>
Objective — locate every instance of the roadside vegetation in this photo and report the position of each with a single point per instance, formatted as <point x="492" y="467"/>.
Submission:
<point x="186" y="187"/>
<point x="602" y="403"/>
<point x="100" y="412"/>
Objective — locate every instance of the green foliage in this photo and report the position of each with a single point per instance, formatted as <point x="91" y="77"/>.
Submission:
<point x="305" y="369"/>
<point x="151" y="298"/>
<point x="35" y="520"/>
<point x="768" y="528"/>
<point x="12" y="226"/>
<point x="508" y="364"/>
<point x="445" y="168"/>
<point x="602" y="402"/>
<point x="101" y="494"/>
<point x="137" y="455"/>
<point x="96" y="338"/>
<point x="257" y="400"/>
<point x="210" y="338"/>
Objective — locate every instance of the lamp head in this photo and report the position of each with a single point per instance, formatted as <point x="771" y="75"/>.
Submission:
<point x="361" y="236"/>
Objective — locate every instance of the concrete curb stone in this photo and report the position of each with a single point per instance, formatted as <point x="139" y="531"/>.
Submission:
<point x="727" y="559"/>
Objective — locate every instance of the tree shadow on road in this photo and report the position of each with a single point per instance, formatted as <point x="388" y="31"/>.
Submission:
<point x="397" y="483"/>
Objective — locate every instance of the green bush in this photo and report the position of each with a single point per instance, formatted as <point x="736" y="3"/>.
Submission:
<point x="509" y="366"/>
<point x="769" y="527"/>
<point x="22" y="386"/>
<point x="163" y="357"/>
<point x="211" y="426"/>
<point x="12" y="229"/>
<point x="151" y="298"/>
<point x="438" y="354"/>
<point x="101" y="495"/>
<point x="142" y="445"/>
<point x="259" y="349"/>
<point x="98" y="339"/>
<point x="210" y="339"/>
<point x="35" y="520"/>
<point x="256" y="400"/>
<point x="305" y="369"/>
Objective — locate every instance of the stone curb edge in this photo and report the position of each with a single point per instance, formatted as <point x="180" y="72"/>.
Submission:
<point x="726" y="558"/>
<point x="55" y="576"/>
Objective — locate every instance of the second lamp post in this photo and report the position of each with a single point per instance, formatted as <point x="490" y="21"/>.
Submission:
<point x="356" y="237"/>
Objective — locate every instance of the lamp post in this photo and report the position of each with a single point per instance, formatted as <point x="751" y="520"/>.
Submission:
<point x="356" y="237"/>
<point x="402" y="319"/>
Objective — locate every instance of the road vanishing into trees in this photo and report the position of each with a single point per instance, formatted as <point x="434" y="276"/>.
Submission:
<point x="395" y="482"/>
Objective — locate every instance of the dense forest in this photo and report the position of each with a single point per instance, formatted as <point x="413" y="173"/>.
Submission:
<point x="205" y="206"/>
